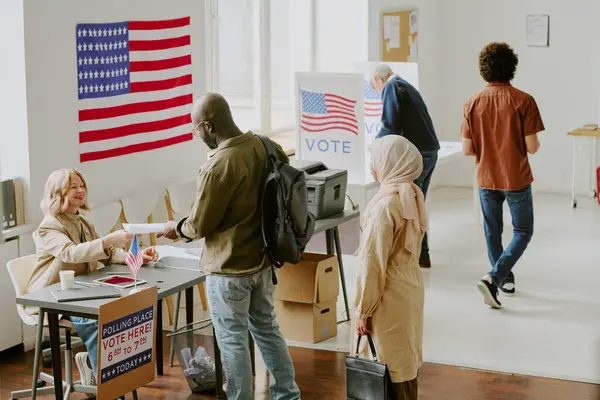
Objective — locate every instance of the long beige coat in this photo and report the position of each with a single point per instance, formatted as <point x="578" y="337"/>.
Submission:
<point x="390" y="291"/>
<point x="68" y="242"/>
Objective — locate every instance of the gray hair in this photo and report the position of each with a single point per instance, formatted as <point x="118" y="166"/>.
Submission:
<point x="378" y="69"/>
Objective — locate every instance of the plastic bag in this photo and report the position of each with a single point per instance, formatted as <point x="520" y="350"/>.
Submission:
<point x="199" y="370"/>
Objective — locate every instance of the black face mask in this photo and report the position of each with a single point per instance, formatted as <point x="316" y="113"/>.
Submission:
<point x="210" y="145"/>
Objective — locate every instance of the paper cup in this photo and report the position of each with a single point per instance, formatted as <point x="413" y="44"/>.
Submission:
<point x="67" y="280"/>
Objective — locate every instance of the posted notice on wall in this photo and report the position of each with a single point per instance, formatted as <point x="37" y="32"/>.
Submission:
<point x="126" y="343"/>
<point x="538" y="30"/>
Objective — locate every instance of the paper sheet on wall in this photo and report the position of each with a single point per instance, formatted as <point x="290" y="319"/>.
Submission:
<point x="538" y="30"/>
<point x="394" y="32"/>
<point x="142" y="229"/>
<point x="387" y="26"/>
<point x="413" y="22"/>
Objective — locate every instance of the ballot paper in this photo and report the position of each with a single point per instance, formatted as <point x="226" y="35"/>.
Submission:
<point x="141" y="229"/>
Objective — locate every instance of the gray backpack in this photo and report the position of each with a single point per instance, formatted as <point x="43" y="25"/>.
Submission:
<point x="286" y="224"/>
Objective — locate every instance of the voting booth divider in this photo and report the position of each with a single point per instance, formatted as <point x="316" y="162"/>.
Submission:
<point x="339" y="114"/>
<point x="126" y="337"/>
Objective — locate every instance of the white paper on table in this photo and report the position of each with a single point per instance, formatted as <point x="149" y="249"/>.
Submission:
<point x="141" y="229"/>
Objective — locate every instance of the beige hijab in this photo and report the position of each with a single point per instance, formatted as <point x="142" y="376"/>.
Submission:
<point x="396" y="163"/>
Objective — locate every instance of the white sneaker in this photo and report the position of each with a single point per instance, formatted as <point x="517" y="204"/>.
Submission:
<point x="508" y="289"/>
<point x="85" y="372"/>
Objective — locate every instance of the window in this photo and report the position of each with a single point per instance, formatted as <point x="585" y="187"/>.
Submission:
<point x="253" y="62"/>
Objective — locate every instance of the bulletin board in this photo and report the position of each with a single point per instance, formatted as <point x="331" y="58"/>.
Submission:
<point x="399" y="36"/>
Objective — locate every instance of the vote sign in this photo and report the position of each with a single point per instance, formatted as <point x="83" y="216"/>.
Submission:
<point x="330" y="121"/>
<point x="126" y="340"/>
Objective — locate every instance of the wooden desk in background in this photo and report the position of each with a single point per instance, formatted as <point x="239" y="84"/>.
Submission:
<point x="585" y="133"/>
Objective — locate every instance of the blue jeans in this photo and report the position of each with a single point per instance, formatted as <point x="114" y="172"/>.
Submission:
<point x="429" y="160"/>
<point x="239" y="303"/>
<point x="87" y="329"/>
<point x="520" y="203"/>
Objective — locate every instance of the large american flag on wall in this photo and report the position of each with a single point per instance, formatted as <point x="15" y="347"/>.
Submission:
<point x="373" y="106"/>
<point x="327" y="111"/>
<point x="134" y="86"/>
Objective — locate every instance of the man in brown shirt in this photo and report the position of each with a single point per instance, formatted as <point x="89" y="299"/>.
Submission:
<point x="500" y="128"/>
<point x="239" y="284"/>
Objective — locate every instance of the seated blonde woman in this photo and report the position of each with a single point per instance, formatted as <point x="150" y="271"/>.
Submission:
<point x="390" y="295"/>
<point x="65" y="240"/>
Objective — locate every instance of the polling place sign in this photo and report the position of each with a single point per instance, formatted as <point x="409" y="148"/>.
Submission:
<point x="126" y="340"/>
<point x="329" y="121"/>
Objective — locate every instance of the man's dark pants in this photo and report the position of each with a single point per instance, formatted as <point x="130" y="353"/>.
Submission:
<point x="429" y="160"/>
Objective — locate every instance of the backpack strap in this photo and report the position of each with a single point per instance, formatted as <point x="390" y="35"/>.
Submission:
<point x="269" y="147"/>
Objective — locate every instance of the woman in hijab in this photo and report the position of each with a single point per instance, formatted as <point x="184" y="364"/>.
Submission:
<point x="390" y="295"/>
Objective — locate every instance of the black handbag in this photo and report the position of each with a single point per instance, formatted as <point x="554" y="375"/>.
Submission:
<point x="366" y="379"/>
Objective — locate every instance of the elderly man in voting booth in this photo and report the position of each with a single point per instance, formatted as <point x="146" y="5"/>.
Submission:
<point x="239" y="283"/>
<point x="405" y="114"/>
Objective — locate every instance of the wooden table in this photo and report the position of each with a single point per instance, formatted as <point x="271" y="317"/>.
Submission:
<point x="593" y="135"/>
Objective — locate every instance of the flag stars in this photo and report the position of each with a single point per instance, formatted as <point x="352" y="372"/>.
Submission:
<point x="80" y="89"/>
<point x="80" y="75"/>
<point x="101" y="74"/>
<point x="84" y="47"/>
<point x="119" y="30"/>
<point x="79" y="33"/>
<point x="96" y="60"/>
<point x="115" y="32"/>
<point x="85" y="33"/>
<point x="80" y="61"/>
<point x="96" y="74"/>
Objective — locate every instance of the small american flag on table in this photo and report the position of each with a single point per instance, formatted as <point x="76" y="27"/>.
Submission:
<point x="134" y="86"/>
<point x="325" y="112"/>
<point x="373" y="106"/>
<point x="134" y="259"/>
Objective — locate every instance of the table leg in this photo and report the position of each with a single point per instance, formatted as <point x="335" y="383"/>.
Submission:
<point x="338" y="251"/>
<point x="218" y="367"/>
<point x="55" y="349"/>
<point x="175" y="323"/>
<point x="594" y="166"/>
<point x="189" y="305"/>
<point x="329" y="241"/>
<point x="159" y="338"/>
<point x="573" y="199"/>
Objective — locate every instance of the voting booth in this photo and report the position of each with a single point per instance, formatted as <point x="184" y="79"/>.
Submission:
<point x="330" y="122"/>
<point x="337" y="117"/>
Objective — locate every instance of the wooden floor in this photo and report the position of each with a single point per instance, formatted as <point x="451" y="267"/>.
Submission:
<point x="321" y="375"/>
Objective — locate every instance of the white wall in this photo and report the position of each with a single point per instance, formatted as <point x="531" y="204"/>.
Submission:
<point x="341" y="39"/>
<point x="14" y="156"/>
<point x="50" y="65"/>
<point x="563" y="78"/>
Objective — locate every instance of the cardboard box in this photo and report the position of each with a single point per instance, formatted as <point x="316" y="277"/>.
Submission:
<point x="309" y="323"/>
<point x="313" y="280"/>
<point x="306" y="298"/>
